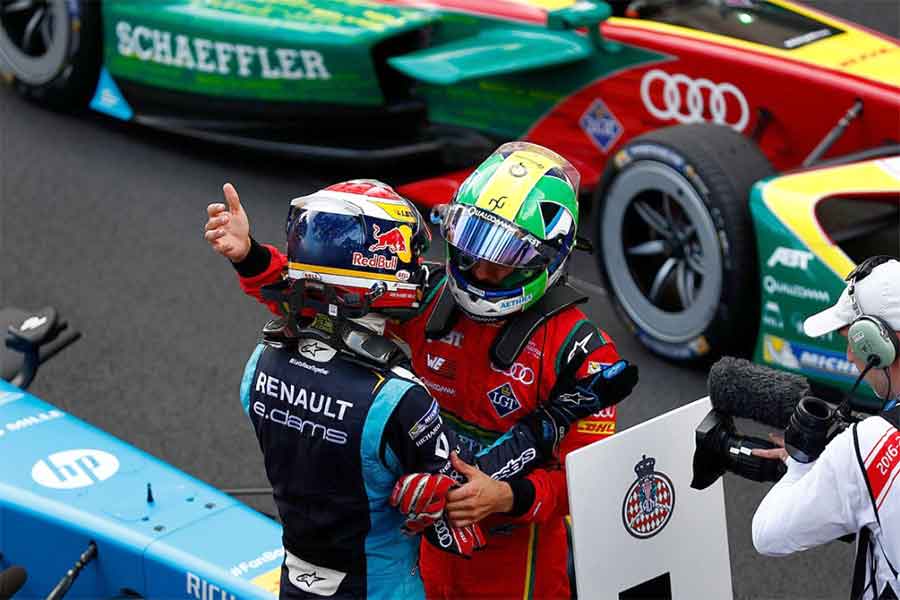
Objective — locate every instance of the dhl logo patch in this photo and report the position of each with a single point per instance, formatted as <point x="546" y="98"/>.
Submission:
<point x="597" y="427"/>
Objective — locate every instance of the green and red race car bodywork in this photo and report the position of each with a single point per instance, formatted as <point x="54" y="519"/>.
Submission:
<point x="540" y="70"/>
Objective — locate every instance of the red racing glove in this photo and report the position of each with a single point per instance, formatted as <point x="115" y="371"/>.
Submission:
<point x="421" y="497"/>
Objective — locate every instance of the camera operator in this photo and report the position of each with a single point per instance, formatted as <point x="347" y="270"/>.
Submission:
<point x="850" y="487"/>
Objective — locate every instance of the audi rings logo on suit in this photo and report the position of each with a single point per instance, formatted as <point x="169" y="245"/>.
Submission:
<point x="518" y="372"/>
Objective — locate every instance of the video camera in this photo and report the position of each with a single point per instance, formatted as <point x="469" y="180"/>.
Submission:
<point x="739" y="388"/>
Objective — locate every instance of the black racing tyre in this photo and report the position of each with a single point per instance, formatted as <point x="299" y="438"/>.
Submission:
<point x="675" y="240"/>
<point x="53" y="48"/>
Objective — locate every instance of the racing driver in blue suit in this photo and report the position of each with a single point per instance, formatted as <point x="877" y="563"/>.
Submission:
<point x="346" y="430"/>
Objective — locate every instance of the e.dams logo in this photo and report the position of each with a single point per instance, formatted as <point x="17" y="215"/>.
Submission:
<point x="650" y="501"/>
<point x="71" y="469"/>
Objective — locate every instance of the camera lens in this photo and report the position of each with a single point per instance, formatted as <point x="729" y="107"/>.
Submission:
<point x="807" y="433"/>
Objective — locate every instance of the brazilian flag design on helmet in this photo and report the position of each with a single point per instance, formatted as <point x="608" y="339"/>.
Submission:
<point x="518" y="209"/>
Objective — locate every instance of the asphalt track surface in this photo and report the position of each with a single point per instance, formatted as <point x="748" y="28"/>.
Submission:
<point x="104" y="222"/>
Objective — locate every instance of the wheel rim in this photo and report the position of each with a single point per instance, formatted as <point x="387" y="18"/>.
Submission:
<point x="661" y="252"/>
<point x="34" y="38"/>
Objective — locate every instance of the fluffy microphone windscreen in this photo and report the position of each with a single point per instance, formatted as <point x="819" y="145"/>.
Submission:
<point x="739" y="388"/>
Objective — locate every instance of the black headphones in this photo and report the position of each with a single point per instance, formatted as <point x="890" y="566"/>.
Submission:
<point x="871" y="338"/>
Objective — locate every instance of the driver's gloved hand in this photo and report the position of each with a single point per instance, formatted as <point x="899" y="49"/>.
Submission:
<point x="421" y="497"/>
<point x="461" y="541"/>
<point x="585" y="397"/>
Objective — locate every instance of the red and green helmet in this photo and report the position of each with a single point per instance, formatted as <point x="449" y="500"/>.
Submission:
<point x="519" y="209"/>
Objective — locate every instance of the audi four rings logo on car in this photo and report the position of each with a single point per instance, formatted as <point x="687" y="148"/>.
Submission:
<point x="687" y="100"/>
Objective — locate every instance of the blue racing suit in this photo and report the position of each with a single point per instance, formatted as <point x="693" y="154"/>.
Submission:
<point x="336" y="433"/>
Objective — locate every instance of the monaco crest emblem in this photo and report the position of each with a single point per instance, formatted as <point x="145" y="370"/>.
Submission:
<point x="650" y="501"/>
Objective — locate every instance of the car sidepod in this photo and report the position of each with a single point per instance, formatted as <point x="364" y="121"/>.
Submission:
<point x="802" y="268"/>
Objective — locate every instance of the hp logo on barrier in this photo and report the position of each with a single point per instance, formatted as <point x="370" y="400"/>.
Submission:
<point x="685" y="100"/>
<point x="73" y="469"/>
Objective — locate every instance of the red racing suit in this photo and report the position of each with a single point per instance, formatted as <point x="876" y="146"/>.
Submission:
<point x="527" y="555"/>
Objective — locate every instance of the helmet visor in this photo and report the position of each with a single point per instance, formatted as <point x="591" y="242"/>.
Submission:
<point x="484" y="236"/>
<point x="323" y="238"/>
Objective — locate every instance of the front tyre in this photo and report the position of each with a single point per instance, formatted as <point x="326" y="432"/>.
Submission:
<point x="677" y="248"/>
<point x="53" y="48"/>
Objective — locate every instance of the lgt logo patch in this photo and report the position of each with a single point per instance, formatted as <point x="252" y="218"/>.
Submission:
<point x="504" y="400"/>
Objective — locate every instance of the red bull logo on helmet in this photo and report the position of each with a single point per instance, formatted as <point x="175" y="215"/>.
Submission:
<point x="374" y="262"/>
<point x="395" y="240"/>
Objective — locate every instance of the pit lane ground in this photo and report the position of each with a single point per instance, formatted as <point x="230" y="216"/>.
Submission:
<point x="105" y="222"/>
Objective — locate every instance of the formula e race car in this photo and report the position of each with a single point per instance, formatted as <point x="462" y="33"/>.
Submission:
<point x="670" y="109"/>
<point x="86" y="514"/>
<point x="812" y="227"/>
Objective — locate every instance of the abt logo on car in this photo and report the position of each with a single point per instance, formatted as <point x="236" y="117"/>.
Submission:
<point x="790" y="258"/>
<point x="71" y="469"/>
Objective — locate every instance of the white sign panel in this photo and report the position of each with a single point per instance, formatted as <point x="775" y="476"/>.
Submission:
<point x="639" y="530"/>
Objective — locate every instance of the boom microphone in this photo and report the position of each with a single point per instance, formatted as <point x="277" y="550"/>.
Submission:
<point x="11" y="581"/>
<point x="739" y="388"/>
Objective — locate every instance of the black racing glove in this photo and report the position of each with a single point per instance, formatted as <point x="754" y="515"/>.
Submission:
<point x="587" y="396"/>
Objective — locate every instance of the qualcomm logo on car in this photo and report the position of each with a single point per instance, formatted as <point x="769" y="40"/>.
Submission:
<point x="685" y="100"/>
<point x="773" y="286"/>
<point x="71" y="469"/>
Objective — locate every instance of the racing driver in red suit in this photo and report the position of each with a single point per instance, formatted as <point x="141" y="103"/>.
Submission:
<point x="499" y="333"/>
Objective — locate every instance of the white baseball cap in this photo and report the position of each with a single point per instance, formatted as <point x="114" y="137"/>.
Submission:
<point x="877" y="294"/>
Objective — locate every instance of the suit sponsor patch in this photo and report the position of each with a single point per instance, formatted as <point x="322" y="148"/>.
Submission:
<point x="583" y="340"/>
<point x="591" y="427"/>
<point x="441" y="365"/>
<point x="425" y="422"/>
<point x="312" y="578"/>
<point x="503" y="399"/>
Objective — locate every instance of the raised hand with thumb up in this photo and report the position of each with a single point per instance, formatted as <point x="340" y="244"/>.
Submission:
<point x="228" y="228"/>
